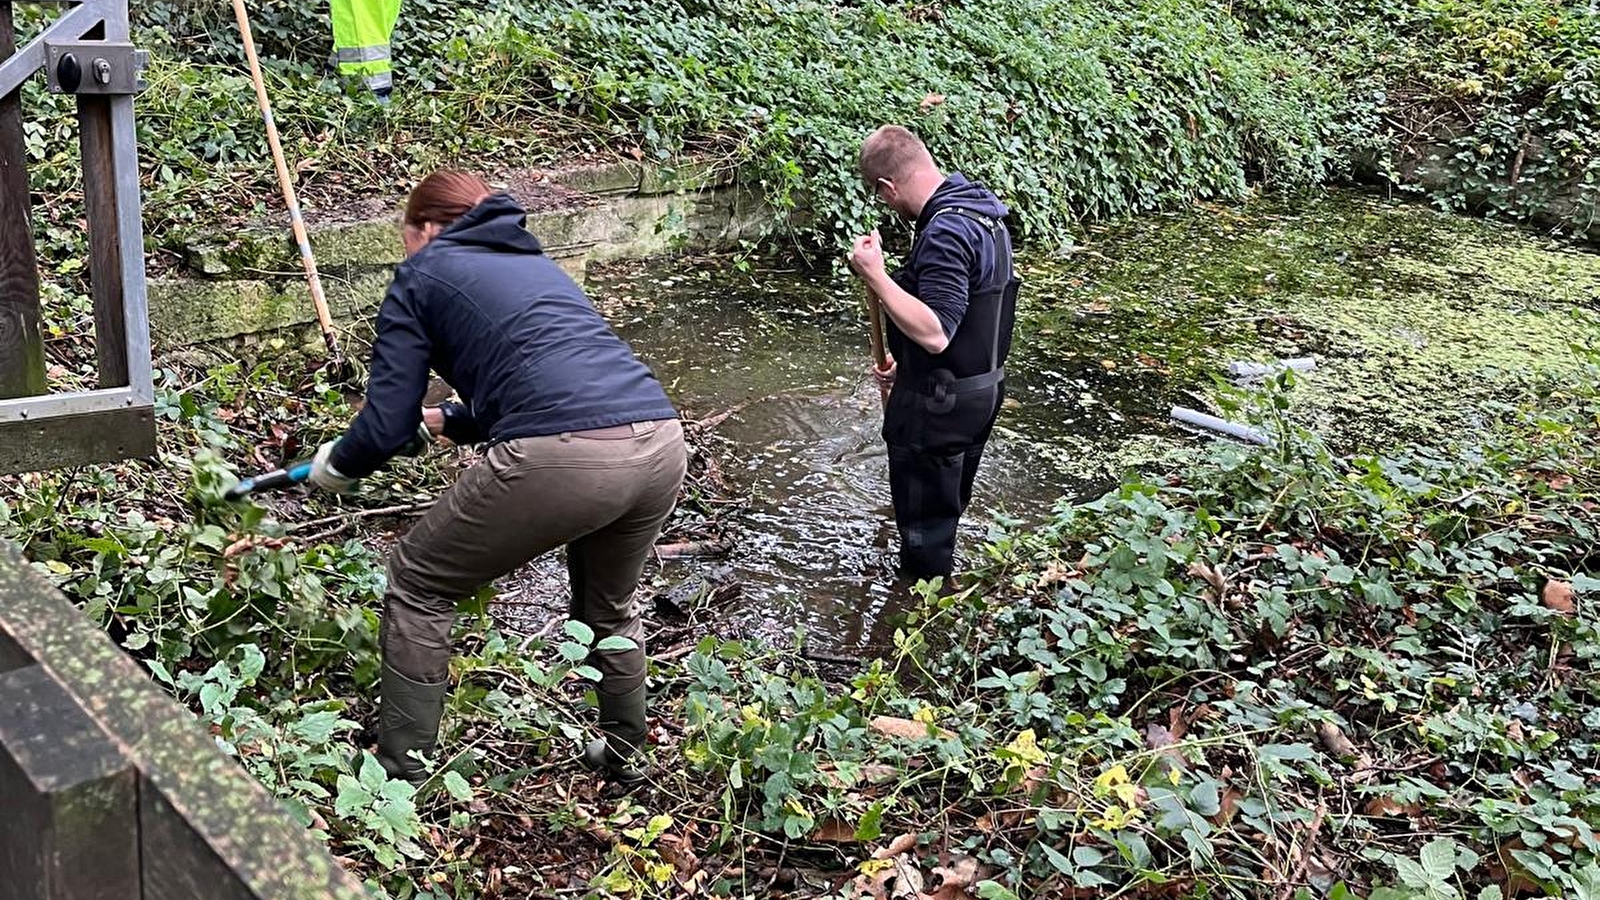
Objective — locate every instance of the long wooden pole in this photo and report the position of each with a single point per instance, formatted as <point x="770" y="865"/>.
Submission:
<point x="880" y="356"/>
<point x="324" y="320"/>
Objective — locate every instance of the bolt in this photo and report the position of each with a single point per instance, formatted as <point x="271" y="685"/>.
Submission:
<point x="102" y="71"/>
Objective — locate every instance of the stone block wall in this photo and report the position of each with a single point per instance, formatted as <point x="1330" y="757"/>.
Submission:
<point x="251" y="283"/>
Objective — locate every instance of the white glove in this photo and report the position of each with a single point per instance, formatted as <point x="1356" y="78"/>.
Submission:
<point x="325" y="476"/>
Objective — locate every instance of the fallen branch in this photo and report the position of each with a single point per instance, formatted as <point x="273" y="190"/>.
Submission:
<point x="403" y="509"/>
<point x="712" y="549"/>
<point x="1306" y="851"/>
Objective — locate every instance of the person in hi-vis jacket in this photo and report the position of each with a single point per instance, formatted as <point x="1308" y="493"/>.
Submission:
<point x="362" y="30"/>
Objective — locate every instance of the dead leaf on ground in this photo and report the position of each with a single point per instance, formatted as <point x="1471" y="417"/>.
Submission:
<point x="1228" y="806"/>
<point x="833" y="830"/>
<point x="958" y="879"/>
<point x="1334" y="740"/>
<point x="1211" y="575"/>
<point x="897" y="846"/>
<point x="894" y="726"/>
<point x="1176" y="722"/>
<point x="1390" y="808"/>
<point x="1559" y="597"/>
<point x="1161" y="739"/>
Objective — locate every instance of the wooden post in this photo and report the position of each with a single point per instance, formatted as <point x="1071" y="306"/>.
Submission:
<point x="21" y="341"/>
<point x="70" y="829"/>
<point x="105" y="249"/>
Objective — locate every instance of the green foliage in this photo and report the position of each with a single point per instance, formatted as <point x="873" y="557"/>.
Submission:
<point x="1171" y="680"/>
<point x="1112" y="109"/>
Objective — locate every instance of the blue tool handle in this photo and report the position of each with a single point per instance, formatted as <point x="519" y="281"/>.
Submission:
<point x="295" y="474"/>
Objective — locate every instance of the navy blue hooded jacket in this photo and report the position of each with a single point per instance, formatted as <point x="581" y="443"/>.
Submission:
<point x="955" y="259"/>
<point x="514" y="335"/>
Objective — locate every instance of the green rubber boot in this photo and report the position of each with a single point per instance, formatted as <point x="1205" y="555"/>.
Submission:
<point x="622" y="722"/>
<point x="408" y="720"/>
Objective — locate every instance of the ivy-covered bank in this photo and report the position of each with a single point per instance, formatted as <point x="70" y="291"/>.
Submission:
<point x="1113" y="108"/>
<point x="1273" y="673"/>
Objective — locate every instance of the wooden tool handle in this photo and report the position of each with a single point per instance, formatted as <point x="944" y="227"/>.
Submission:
<point x="880" y="356"/>
<point x="285" y="181"/>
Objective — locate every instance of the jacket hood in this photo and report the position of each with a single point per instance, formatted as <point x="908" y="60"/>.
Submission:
<point x="958" y="191"/>
<point x="495" y="224"/>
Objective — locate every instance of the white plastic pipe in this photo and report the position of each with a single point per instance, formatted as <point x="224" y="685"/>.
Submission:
<point x="1221" y="426"/>
<point x="1245" y="370"/>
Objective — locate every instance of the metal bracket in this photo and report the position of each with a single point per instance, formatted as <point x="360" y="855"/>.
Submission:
<point x="95" y="67"/>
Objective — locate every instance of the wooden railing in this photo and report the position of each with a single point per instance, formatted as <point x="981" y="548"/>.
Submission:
<point x="111" y="790"/>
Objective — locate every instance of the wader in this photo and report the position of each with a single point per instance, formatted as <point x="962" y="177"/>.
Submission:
<point x="361" y="33"/>
<point x="937" y="421"/>
<point x="605" y="495"/>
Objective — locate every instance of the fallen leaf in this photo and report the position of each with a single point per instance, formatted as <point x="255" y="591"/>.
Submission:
<point x="1390" y="808"/>
<point x="894" y="726"/>
<point x="1559" y="597"/>
<point x="957" y="879"/>
<point x="1212" y="576"/>
<point x="1561" y="482"/>
<point x="1176" y="723"/>
<point x="833" y="830"/>
<point x="897" y="846"/>
<point x="1161" y="739"/>
<point x="1228" y="806"/>
<point x="1335" y="742"/>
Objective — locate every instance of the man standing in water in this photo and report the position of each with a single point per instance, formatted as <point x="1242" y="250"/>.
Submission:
<point x="951" y="309"/>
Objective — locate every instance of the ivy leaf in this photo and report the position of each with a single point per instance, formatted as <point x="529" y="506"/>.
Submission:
<point x="615" y="642"/>
<point x="353" y="797"/>
<point x="252" y="664"/>
<point x="457" y="786"/>
<point x="871" y="827"/>
<point x="994" y="890"/>
<point x="579" y="632"/>
<point x="372" y="774"/>
<point x="1205" y="798"/>
<point x="1057" y="859"/>
<point x="317" y="728"/>
<point x="1411" y="874"/>
<point x="1287" y="752"/>
<point x="1439" y="858"/>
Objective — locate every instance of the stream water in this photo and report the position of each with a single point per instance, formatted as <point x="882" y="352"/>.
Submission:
<point x="1417" y="320"/>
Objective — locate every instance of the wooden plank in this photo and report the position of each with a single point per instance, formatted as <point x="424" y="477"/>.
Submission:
<point x="178" y="863"/>
<point x="11" y="655"/>
<point x="21" y="341"/>
<point x="62" y="441"/>
<point x="226" y="812"/>
<point x="70" y="829"/>
<point x="105" y="252"/>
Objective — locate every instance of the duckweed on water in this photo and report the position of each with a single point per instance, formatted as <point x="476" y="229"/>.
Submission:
<point x="1417" y="319"/>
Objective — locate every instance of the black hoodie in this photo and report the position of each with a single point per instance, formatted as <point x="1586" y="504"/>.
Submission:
<point x="954" y="259"/>
<point x="509" y="330"/>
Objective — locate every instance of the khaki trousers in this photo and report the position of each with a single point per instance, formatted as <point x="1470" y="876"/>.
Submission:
<point x="604" y="494"/>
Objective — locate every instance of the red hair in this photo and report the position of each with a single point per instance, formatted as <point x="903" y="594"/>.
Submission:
<point x="444" y="197"/>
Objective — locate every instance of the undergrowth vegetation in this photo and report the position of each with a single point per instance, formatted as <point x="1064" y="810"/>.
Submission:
<point x="1112" y="109"/>
<point x="1364" y="677"/>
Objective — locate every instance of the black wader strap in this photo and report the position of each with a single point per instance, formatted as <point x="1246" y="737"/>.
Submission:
<point x="1002" y="270"/>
